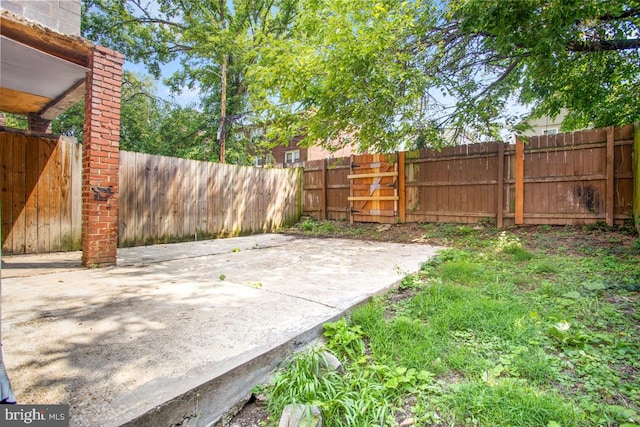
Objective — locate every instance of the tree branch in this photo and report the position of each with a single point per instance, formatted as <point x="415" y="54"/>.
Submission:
<point x="603" y="45"/>
<point x="631" y="13"/>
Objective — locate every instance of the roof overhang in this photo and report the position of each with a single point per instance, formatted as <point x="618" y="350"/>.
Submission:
<point x="41" y="71"/>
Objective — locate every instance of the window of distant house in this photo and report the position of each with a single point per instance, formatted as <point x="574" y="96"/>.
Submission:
<point x="291" y="157"/>
<point x="551" y="131"/>
<point x="257" y="161"/>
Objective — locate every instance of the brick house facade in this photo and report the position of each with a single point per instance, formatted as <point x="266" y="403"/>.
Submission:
<point x="293" y="155"/>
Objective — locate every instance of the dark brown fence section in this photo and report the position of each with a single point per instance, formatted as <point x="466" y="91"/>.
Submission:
<point x="40" y="184"/>
<point x="326" y="188"/>
<point x="456" y="184"/>
<point x="165" y="199"/>
<point x="574" y="178"/>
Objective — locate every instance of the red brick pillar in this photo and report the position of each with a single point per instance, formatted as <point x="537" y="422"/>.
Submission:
<point x="100" y="159"/>
<point x="38" y="124"/>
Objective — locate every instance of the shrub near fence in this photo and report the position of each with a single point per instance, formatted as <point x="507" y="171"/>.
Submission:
<point x="165" y="199"/>
<point x="573" y="178"/>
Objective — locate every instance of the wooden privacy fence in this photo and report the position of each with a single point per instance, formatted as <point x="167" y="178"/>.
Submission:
<point x="161" y="199"/>
<point x="574" y="178"/>
<point x="165" y="199"/>
<point x="40" y="185"/>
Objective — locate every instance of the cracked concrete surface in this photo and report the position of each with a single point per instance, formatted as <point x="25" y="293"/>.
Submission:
<point x="179" y="331"/>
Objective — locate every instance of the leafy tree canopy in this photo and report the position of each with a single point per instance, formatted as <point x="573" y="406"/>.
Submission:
<point x="201" y="35"/>
<point x="149" y="124"/>
<point x="376" y="68"/>
<point x="393" y="73"/>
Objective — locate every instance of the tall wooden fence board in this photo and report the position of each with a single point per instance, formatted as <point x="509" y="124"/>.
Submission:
<point x="166" y="199"/>
<point x="40" y="184"/>
<point x="326" y="188"/>
<point x="573" y="178"/>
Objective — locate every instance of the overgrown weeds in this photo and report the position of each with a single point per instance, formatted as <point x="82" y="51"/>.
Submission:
<point x="501" y="330"/>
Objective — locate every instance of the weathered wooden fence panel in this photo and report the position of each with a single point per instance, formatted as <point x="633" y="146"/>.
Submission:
<point x="326" y="188"/>
<point x="40" y="185"/>
<point x="574" y="178"/>
<point x="165" y="199"/>
<point x="373" y="188"/>
<point x="457" y="184"/>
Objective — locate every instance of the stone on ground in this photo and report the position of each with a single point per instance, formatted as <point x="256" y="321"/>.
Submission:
<point x="297" y="415"/>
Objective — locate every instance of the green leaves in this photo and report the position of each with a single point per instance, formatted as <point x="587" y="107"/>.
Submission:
<point x="345" y="70"/>
<point x="373" y="69"/>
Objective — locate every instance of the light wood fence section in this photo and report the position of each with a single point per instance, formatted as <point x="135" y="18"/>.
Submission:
<point x="165" y="199"/>
<point x="40" y="186"/>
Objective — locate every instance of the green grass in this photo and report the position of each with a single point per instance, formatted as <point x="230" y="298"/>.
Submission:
<point x="500" y="330"/>
<point x="313" y="227"/>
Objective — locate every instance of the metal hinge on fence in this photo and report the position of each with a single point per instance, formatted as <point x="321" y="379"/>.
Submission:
<point x="354" y="165"/>
<point x="354" y="211"/>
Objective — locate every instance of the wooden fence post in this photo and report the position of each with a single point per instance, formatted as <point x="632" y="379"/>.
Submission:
<point x="610" y="178"/>
<point x="350" y="212"/>
<point x="401" y="187"/>
<point x="519" y="171"/>
<point x="500" y="189"/>
<point x="636" y="175"/>
<point x="324" y="189"/>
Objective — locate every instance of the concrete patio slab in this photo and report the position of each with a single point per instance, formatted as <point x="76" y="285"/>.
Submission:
<point x="177" y="334"/>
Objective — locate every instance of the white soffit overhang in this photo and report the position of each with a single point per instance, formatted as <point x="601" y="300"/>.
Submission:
<point x="24" y="69"/>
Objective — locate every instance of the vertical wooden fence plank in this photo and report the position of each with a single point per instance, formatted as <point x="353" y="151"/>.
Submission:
<point x="32" y="173"/>
<point x="161" y="208"/>
<point x="212" y="200"/>
<point x="636" y="175"/>
<point x="170" y="197"/>
<point x="19" y="198"/>
<point x="153" y="177"/>
<point x="54" y="199"/>
<point x="44" y="153"/>
<point x="6" y="160"/>
<point x="402" y="188"/>
<point x="76" y="203"/>
<point x="610" y="193"/>
<point x="65" y="194"/>
<point x="18" y="188"/>
<point x="124" y="189"/>
<point x="179" y="194"/>
<point x="323" y="195"/>
<point x="350" y="206"/>
<point x="500" y="187"/>
<point x="519" y="176"/>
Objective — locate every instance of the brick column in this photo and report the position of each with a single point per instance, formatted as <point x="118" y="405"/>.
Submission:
<point x="38" y="124"/>
<point x="100" y="159"/>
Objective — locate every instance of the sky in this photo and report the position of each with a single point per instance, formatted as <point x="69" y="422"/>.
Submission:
<point x="184" y="98"/>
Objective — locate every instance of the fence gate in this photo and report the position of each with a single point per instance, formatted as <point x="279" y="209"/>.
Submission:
<point x="373" y="188"/>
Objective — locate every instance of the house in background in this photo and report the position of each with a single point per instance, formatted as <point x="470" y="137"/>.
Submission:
<point x="293" y="155"/>
<point x="546" y="125"/>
